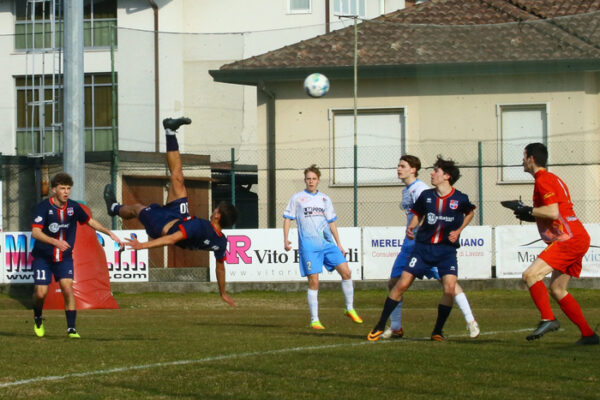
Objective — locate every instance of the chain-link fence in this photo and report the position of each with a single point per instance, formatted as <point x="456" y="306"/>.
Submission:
<point x="377" y="195"/>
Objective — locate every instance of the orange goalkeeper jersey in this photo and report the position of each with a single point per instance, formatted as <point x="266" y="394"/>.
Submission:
<point x="550" y="189"/>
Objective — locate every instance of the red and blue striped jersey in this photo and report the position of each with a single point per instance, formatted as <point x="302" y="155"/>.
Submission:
<point x="58" y="223"/>
<point x="442" y="215"/>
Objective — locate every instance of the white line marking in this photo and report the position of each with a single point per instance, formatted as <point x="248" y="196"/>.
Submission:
<point x="215" y="358"/>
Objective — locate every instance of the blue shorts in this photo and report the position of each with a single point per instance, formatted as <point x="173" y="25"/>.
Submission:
<point x="155" y="217"/>
<point x="312" y="262"/>
<point x="425" y="257"/>
<point x="406" y="250"/>
<point x="44" y="269"/>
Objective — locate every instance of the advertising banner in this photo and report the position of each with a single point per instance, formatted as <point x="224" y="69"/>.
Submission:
<point x="258" y="255"/>
<point x="518" y="245"/>
<point x="381" y="245"/>
<point x="123" y="266"/>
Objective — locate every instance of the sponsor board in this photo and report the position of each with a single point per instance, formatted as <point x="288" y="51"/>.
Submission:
<point x="381" y="245"/>
<point x="258" y="255"/>
<point x="123" y="266"/>
<point x="517" y="246"/>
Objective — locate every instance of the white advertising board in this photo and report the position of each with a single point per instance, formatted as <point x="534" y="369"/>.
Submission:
<point x="257" y="255"/>
<point x="381" y="245"/>
<point x="518" y="245"/>
<point x="124" y="266"/>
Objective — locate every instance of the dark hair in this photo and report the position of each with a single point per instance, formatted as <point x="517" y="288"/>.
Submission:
<point x="449" y="167"/>
<point x="62" y="178"/>
<point x="413" y="161"/>
<point x="539" y="152"/>
<point x="228" y="213"/>
<point x="313" y="168"/>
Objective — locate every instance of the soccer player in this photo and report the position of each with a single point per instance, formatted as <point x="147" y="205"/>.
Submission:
<point x="442" y="213"/>
<point x="54" y="227"/>
<point x="172" y="224"/>
<point x="567" y="240"/>
<point x="408" y="170"/>
<point x="318" y="243"/>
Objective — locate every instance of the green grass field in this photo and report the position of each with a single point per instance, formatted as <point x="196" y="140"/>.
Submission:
<point x="193" y="346"/>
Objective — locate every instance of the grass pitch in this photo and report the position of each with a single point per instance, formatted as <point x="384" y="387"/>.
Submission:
<point x="193" y="346"/>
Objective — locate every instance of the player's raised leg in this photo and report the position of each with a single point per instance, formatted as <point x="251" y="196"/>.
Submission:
<point x="177" y="188"/>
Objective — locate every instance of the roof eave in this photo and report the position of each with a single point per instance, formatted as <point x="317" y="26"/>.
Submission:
<point x="252" y="76"/>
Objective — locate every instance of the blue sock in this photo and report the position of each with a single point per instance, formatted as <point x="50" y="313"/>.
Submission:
<point x="71" y="315"/>
<point x="172" y="144"/>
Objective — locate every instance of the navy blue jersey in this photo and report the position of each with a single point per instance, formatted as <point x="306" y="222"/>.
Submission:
<point x="442" y="215"/>
<point x="199" y="234"/>
<point x="58" y="223"/>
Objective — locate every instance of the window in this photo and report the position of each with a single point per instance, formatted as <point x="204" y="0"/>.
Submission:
<point x="349" y="7"/>
<point x="518" y="125"/>
<point x="34" y="137"/>
<point x="39" y="24"/>
<point x="380" y="143"/>
<point x="299" y="6"/>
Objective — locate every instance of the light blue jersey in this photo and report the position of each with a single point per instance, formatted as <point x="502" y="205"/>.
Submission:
<point x="410" y="194"/>
<point x="313" y="212"/>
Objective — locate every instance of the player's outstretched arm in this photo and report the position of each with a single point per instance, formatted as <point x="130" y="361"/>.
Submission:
<point x="161" y="241"/>
<point x="220" y="271"/>
<point x="100" y="228"/>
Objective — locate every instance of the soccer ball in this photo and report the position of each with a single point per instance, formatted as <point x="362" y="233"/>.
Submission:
<point x="316" y="85"/>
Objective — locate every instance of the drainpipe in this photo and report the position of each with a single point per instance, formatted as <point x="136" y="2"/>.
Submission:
<point x="327" y="29"/>
<point x="271" y="171"/>
<point x="156" y="81"/>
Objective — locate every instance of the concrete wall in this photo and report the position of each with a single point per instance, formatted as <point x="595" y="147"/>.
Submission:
<point x="444" y="116"/>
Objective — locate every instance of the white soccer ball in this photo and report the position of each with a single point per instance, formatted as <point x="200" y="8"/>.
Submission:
<point x="316" y="85"/>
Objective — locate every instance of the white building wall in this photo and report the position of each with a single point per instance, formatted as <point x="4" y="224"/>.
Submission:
<point x="194" y="37"/>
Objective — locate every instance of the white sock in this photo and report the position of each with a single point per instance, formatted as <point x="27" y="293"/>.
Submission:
<point x="169" y="132"/>
<point x="396" y="317"/>
<point x="463" y="304"/>
<point x="313" y="304"/>
<point x="348" y="290"/>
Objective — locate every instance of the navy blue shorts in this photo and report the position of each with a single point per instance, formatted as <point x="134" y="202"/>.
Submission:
<point x="44" y="269"/>
<point x="155" y="217"/>
<point x="403" y="257"/>
<point x="425" y="257"/>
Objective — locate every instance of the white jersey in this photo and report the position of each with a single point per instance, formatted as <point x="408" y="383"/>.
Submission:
<point x="313" y="213"/>
<point x="410" y="194"/>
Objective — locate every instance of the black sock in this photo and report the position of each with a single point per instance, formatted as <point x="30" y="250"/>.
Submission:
<point x="71" y="315"/>
<point x="37" y="315"/>
<point x="443" y="313"/>
<point x="388" y="307"/>
<point x="172" y="144"/>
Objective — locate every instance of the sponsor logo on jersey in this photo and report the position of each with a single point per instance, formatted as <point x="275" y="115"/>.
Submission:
<point x="432" y="218"/>
<point x="55" y="227"/>
<point x="206" y="242"/>
<point x="38" y="219"/>
<point x="308" y="211"/>
<point x="50" y="212"/>
<point x="454" y="204"/>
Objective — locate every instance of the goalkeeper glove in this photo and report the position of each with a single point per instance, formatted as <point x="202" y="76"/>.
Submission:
<point x="524" y="214"/>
